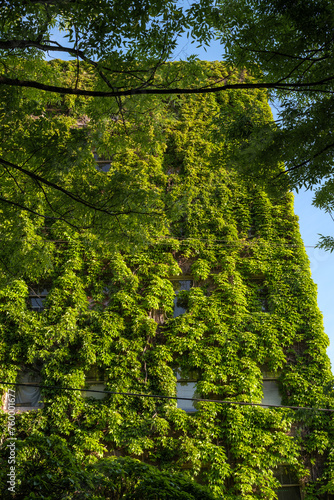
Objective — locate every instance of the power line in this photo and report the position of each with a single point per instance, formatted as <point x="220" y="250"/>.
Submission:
<point x="222" y="242"/>
<point x="156" y="396"/>
<point x="228" y="243"/>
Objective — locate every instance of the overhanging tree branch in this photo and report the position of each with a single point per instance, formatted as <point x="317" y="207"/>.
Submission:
<point x="27" y="209"/>
<point x="288" y="56"/>
<point x="300" y="165"/>
<point x="25" y="44"/>
<point x="71" y="195"/>
<point x="308" y="86"/>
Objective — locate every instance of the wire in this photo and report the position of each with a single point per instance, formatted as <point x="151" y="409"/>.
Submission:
<point x="238" y="242"/>
<point x="170" y="397"/>
<point x="224" y="243"/>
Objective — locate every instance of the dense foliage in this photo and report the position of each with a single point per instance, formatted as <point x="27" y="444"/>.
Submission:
<point x="49" y="144"/>
<point x="252" y="307"/>
<point x="123" y="45"/>
<point x="289" y="46"/>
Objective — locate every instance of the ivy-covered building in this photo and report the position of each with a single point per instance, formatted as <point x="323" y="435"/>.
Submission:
<point x="220" y="307"/>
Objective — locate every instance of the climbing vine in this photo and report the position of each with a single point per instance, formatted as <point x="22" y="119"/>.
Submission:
<point x="251" y="307"/>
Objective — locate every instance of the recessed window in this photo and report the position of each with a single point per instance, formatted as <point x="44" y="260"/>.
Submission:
<point x="94" y="382"/>
<point x="289" y="493"/>
<point x="251" y="232"/>
<point x="186" y="388"/>
<point x="37" y="298"/>
<point x="271" y="394"/>
<point x="290" y="489"/>
<point x="102" y="164"/>
<point x="263" y="299"/>
<point x="25" y="397"/>
<point x="98" y="387"/>
<point x="180" y="285"/>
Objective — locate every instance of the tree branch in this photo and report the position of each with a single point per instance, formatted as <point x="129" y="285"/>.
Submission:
<point x="23" y="207"/>
<point x="140" y="91"/>
<point x="329" y="146"/>
<point x="49" y="2"/>
<point x="289" y="56"/>
<point x="24" y="44"/>
<point x="86" y="203"/>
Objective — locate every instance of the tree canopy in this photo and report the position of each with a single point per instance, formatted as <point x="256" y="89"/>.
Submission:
<point x="290" y="43"/>
<point x="120" y="50"/>
<point x="55" y="124"/>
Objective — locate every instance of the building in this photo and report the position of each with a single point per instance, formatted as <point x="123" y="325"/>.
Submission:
<point x="221" y="308"/>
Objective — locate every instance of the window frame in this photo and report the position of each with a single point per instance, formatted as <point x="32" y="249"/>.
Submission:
<point x="185" y="380"/>
<point x="179" y="279"/>
<point x="268" y="376"/>
<point x="19" y="407"/>
<point x="38" y="294"/>
<point x="287" y="479"/>
<point x="94" y="378"/>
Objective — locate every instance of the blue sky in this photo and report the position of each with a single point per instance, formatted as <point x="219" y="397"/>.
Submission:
<point x="312" y="221"/>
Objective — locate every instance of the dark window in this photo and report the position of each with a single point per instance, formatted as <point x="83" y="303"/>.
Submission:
<point x="95" y="374"/>
<point x="251" y="232"/>
<point x="285" y="476"/>
<point x="289" y="493"/>
<point x="27" y="396"/>
<point x="180" y="285"/>
<point x="263" y="298"/>
<point x="94" y="382"/>
<point x="290" y="489"/>
<point x="102" y="164"/>
<point x="37" y="298"/>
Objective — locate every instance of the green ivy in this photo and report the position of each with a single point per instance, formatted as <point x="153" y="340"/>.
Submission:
<point x="252" y="305"/>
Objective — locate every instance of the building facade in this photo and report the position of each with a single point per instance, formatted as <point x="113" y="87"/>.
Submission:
<point x="222" y="307"/>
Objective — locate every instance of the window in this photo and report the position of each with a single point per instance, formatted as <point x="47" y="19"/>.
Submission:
<point x="37" y="298"/>
<point x="263" y="298"/>
<point x="186" y="388"/>
<point x="94" y="382"/>
<point x="289" y="492"/>
<point x="26" y="397"/>
<point x="102" y="164"/>
<point x="180" y="285"/>
<point x="271" y="394"/>
<point x="290" y="489"/>
<point x="251" y="232"/>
